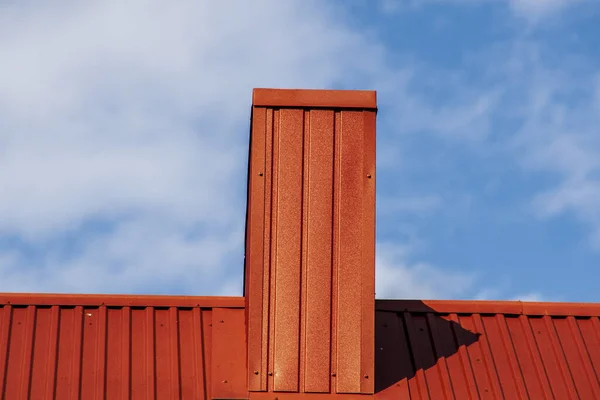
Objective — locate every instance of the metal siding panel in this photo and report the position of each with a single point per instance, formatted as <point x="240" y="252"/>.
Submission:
<point x="476" y="359"/>
<point x="594" y="386"/>
<point x="528" y="365"/>
<point x="419" y="387"/>
<point x="229" y="340"/>
<point x="489" y="361"/>
<point x="393" y="361"/>
<point x="5" y="321"/>
<point x="43" y="356"/>
<point x="76" y="342"/>
<point x="288" y="248"/>
<point x="207" y="350"/>
<point x="18" y="367"/>
<point x="575" y="363"/>
<point x="142" y="374"/>
<point x="272" y="244"/>
<point x="69" y="350"/>
<point x="268" y="294"/>
<point x="117" y="352"/>
<point x="368" y="255"/>
<point x="126" y="353"/>
<point x="548" y="357"/>
<point x="93" y="353"/>
<point x="255" y="257"/>
<point x="441" y="337"/>
<point x="116" y="364"/>
<point x="590" y="329"/>
<point x="559" y="352"/>
<point x="498" y="349"/>
<point x="190" y="357"/>
<point x="425" y="352"/>
<point x="466" y="369"/>
<point x="499" y="356"/>
<point x="163" y="353"/>
<point x="349" y="285"/>
<point x="175" y="354"/>
<point x="319" y="229"/>
<point x="561" y="346"/>
<point x="449" y="346"/>
<point x="535" y="357"/>
<point x="507" y="347"/>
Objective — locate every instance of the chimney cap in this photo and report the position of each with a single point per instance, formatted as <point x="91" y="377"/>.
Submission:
<point x="314" y="98"/>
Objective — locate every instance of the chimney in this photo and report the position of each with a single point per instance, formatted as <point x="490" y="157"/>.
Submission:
<point x="310" y="242"/>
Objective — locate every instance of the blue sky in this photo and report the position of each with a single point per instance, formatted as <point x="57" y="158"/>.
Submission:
<point x="124" y="133"/>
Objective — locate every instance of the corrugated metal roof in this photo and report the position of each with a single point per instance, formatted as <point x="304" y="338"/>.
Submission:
<point x="121" y="347"/>
<point x="87" y="347"/>
<point x="487" y="350"/>
<point x="310" y="272"/>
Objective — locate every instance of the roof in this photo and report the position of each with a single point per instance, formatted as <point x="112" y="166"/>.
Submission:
<point x="484" y="349"/>
<point x="121" y="347"/>
<point x="152" y="347"/>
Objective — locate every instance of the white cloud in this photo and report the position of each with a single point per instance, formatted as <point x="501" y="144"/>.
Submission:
<point x="530" y="297"/>
<point x="559" y="136"/>
<point x="540" y="8"/>
<point x="414" y="205"/>
<point x="533" y="10"/>
<point x="123" y="134"/>
<point x="397" y="277"/>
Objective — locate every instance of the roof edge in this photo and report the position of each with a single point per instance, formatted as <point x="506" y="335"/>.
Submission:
<point x="490" y="307"/>
<point x="48" y="299"/>
<point x="362" y="99"/>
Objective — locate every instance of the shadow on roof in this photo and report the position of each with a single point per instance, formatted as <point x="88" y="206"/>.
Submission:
<point x="408" y="342"/>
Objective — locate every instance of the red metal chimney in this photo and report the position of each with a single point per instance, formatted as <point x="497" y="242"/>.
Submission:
<point x="310" y="242"/>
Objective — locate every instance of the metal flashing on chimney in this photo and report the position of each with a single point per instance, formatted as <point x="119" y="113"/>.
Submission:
<point x="310" y="245"/>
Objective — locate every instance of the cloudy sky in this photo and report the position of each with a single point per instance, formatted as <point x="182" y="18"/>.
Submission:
<point x="124" y="134"/>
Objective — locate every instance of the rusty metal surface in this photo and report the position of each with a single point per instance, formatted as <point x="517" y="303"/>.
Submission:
<point x="487" y="350"/>
<point x="310" y="242"/>
<point x="77" y="351"/>
<point x="307" y="98"/>
<point x="228" y="364"/>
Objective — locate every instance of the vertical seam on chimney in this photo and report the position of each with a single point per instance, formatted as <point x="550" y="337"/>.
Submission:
<point x="273" y="243"/>
<point x="304" y="247"/>
<point x="335" y="245"/>
<point x="267" y="237"/>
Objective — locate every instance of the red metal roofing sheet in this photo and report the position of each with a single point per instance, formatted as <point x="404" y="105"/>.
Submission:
<point x="495" y="350"/>
<point x="310" y="242"/>
<point x="121" y="347"/>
